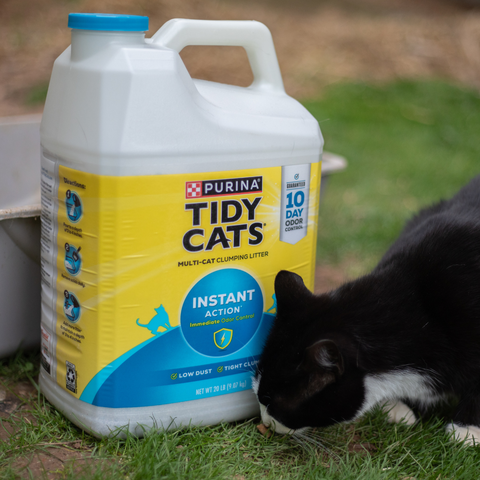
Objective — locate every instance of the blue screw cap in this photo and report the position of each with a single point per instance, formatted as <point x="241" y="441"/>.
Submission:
<point x="108" y="22"/>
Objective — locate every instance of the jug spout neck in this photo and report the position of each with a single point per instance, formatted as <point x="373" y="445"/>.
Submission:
<point x="88" y="42"/>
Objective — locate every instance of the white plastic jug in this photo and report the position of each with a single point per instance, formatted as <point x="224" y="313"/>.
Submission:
<point x="168" y="206"/>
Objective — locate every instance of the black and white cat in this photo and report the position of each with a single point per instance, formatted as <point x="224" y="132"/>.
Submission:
<point x="407" y="333"/>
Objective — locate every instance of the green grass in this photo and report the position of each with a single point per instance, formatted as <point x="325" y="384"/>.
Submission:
<point x="37" y="94"/>
<point x="407" y="144"/>
<point x="370" y="449"/>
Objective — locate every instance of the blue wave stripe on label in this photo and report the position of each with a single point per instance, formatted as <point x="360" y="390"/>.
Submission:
<point x="98" y="380"/>
<point x="143" y="376"/>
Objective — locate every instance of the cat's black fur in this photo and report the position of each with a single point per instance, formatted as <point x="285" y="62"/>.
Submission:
<point x="409" y="330"/>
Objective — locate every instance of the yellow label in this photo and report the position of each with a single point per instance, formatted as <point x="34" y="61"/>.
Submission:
<point x="165" y="283"/>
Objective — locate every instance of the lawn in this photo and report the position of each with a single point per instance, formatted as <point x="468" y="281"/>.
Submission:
<point x="407" y="144"/>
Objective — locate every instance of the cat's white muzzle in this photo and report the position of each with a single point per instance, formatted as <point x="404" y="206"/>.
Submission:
<point x="267" y="420"/>
<point x="275" y="425"/>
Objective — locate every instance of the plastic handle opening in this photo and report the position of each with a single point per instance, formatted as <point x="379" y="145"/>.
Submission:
<point x="253" y="36"/>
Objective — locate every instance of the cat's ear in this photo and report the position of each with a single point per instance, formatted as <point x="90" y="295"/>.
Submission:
<point x="325" y="356"/>
<point x="290" y="290"/>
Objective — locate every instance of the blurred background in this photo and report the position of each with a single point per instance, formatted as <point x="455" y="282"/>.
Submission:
<point x="318" y="42"/>
<point x="394" y="85"/>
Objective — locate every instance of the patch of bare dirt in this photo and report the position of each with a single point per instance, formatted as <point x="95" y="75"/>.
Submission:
<point x="362" y="448"/>
<point x="43" y="460"/>
<point x="52" y="463"/>
<point x="318" y="42"/>
<point x="357" y="445"/>
<point x="16" y="398"/>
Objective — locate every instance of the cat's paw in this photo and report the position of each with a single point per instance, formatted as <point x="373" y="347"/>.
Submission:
<point x="469" y="434"/>
<point x="398" y="412"/>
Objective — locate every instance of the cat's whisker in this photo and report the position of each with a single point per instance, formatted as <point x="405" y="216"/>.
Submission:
<point x="306" y="440"/>
<point x="303" y="438"/>
<point x="300" y="441"/>
<point x="314" y="439"/>
<point x="251" y="368"/>
<point x="324" y="439"/>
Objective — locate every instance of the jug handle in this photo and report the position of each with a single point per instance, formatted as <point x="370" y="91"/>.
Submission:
<point x="253" y="36"/>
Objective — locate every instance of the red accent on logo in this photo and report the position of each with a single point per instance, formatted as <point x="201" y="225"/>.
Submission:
<point x="193" y="189"/>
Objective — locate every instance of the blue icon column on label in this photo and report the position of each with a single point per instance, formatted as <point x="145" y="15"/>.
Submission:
<point x="71" y="306"/>
<point x="74" y="207"/>
<point x="73" y="260"/>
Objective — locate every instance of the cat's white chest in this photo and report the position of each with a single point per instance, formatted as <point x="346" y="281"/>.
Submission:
<point x="399" y="385"/>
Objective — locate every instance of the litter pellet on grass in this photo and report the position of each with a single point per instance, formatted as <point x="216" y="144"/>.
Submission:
<point x="264" y="430"/>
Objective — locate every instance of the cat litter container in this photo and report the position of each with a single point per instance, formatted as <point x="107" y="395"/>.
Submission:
<point x="169" y="204"/>
<point x="19" y="233"/>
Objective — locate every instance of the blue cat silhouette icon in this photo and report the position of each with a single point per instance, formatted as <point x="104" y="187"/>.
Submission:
<point x="274" y="306"/>
<point x="159" y="320"/>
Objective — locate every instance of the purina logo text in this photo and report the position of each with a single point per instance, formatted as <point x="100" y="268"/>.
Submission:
<point x="223" y="187"/>
<point x="223" y="222"/>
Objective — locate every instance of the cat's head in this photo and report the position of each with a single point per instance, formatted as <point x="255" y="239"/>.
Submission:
<point x="308" y="374"/>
